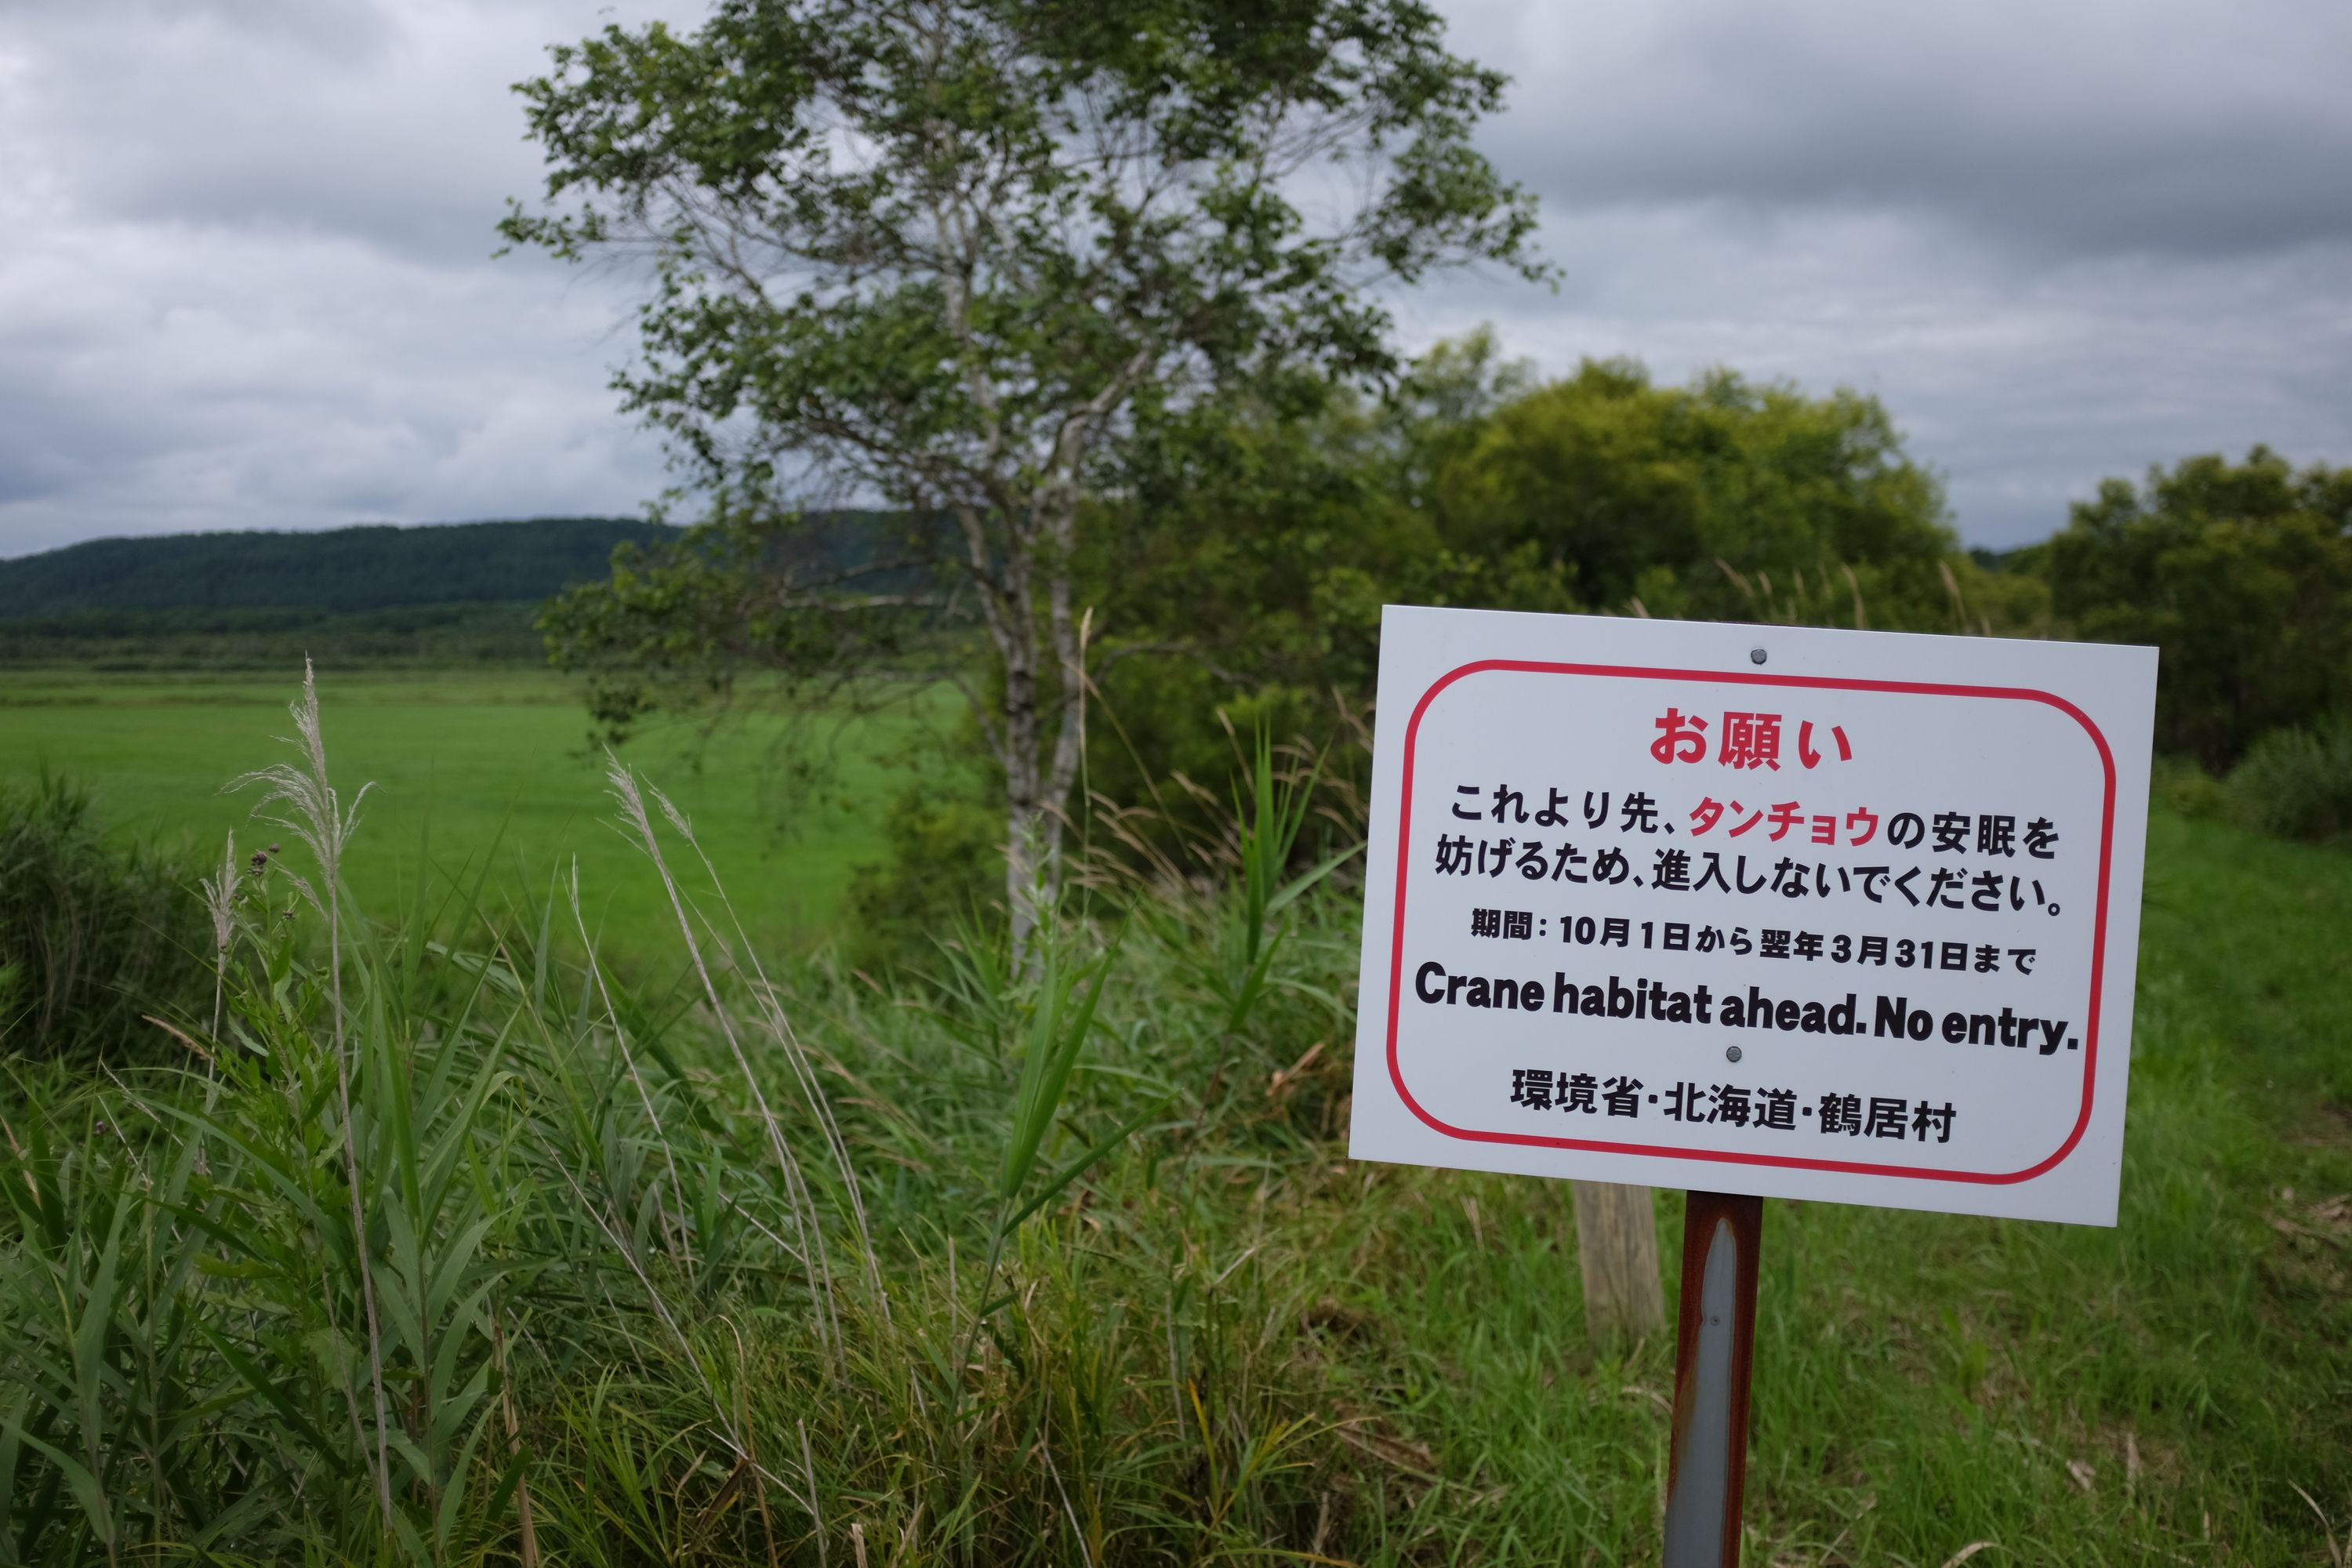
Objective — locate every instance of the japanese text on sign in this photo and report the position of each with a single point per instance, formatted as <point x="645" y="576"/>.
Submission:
<point x="1857" y="924"/>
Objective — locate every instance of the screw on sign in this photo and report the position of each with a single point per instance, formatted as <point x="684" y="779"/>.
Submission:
<point x="1840" y="916"/>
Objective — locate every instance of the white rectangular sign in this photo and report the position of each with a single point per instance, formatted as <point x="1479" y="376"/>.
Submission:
<point x="1815" y="914"/>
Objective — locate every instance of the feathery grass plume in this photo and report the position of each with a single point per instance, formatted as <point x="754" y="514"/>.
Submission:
<point x="220" y="903"/>
<point x="770" y="998"/>
<point x="629" y="1060"/>
<point x="315" y="814"/>
<point x="632" y="800"/>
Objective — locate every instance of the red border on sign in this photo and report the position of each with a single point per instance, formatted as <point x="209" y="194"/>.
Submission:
<point x="1738" y="678"/>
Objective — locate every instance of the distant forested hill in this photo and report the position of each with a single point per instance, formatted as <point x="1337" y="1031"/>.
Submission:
<point x="450" y="593"/>
<point x="342" y="571"/>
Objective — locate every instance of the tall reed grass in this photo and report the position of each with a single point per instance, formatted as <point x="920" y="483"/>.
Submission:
<point x="448" y="1241"/>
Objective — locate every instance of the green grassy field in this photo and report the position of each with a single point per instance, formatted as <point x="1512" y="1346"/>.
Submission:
<point x="496" y="757"/>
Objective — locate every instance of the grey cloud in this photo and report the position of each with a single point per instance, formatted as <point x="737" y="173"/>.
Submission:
<point x="244" y="274"/>
<point x="2024" y="387"/>
<point x="2162" y="126"/>
<point x="386" y="123"/>
<point x="338" y="25"/>
<point x="247" y="279"/>
<point x="223" y="379"/>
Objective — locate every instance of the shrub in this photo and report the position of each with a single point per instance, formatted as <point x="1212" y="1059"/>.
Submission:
<point x="455" y="1250"/>
<point x="92" y="935"/>
<point x="2183" y="785"/>
<point x="945" y="863"/>
<point x="2297" y="782"/>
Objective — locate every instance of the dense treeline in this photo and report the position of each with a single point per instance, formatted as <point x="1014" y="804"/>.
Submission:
<point x="1245" y="566"/>
<point x="452" y="593"/>
<point x="1234" y="577"/>
<point x="1250" y="563"/>
<point x="2241" y="573"/>
<point x="341" y="571"/>
<point x="434" y="636"/>
<point x="1725" y="500"/>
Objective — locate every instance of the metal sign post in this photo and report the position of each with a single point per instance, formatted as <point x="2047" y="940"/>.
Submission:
<point x="1715" y="1345"/>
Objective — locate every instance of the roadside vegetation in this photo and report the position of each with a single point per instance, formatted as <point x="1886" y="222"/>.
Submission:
<point x="93" y="932"/>
<point x="446" y="1242"/>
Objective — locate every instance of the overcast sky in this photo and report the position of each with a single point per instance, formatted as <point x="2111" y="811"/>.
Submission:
<point x="245" y="272"/>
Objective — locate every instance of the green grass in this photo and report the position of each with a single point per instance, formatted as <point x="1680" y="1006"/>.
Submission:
<point x="2154" y="1393"/>
<point x="1218" y="1341"/>
<point x="494" y="756"/>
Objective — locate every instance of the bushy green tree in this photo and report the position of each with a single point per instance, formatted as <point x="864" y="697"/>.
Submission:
<point x="1250" y="569"/>
<point x="1724" y="499"/>
<point x="2240" y="573"/>
<point x="960" y="254"/>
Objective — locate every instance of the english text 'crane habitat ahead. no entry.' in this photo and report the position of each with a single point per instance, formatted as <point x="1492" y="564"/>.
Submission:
<point x="1807" y="914"/>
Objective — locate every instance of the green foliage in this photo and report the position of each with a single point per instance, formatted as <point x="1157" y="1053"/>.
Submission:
<point x="1051" y="211"/>
<point x="188" y="1274"/>
<point x="2240" y="573"/>
<point x="1475" y="484"/>
<point x="970" y="257"/>
<point x="178" y="642"/>
<point x="92" y="935"/>
<point x="1243" y="578"/>
<point x="342" y="571"/>
<point x="1060" y="1008"/>
<point x="943" y="861"/>
<point x="2182" y="785"/>
<point x="1165" y="761"/>
<point x="1684" y="502"/>
<point x="2297" y="782"/>
<point x="678" y="626"/>
<point x="1245" y="929"/>
<point x="1040" y="1265"/>
<point x="1268" y="829"/>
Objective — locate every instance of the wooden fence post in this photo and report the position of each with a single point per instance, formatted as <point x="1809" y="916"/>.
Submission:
<point x="1617" y="1248"/>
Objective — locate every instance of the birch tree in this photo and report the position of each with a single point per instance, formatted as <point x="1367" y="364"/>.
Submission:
<point x="959" y="255"/>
